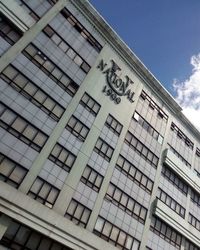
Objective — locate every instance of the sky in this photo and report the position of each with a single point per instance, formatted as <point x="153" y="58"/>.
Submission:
<point x="165" y="36"/>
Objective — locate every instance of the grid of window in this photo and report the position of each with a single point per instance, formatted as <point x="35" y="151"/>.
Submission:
<point x="102" y="148"/>
<point x="43" y="192"/>
<point x="92" y="178"/>
<point x="195" y="197"/>
<point x="21" y="128"/>
<point x="126" y="203"/>
<point x="182" y="136"/>
<point x="194" y="221"/>
<point x="141" y="149"/>
<point x="189" y="245"/>
<point x="21" y="237"/>
<point x="78" y="213"/>
<point x="62" y="157"/>
<point x="180" y="156"/>
<point x="80" y="28"/>
<point x="32" y="92"/>
<point x="115" y="235"/>
<point x="8" y="32"/>
<point x="50" y="69"/>
<point x="170" y="202"/>
<point x="134" y="174"/>
<point x="77" y="128"/>
<point x="144" y="124"/>
<point x="166" y="232"/>
<point x="66" y="48"/>
<point x="153" y="105"/>
<point x="113" y="125"/>
<point x="175" y="180"/>
<point x="11" y="172"/>
<point x="197" y="152"/>
<point x="90" y="104"/>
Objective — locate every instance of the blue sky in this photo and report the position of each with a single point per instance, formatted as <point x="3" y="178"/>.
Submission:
<point x="165" y="35"/>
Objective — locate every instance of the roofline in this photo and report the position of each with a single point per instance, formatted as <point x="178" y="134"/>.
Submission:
<point x="133" y="61"/>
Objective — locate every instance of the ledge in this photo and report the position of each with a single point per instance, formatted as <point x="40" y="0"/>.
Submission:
<point x="163" y="212"/>
<point x="172" y="161"/>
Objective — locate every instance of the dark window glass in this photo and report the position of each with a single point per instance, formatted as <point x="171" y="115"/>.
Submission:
<point x="66" y="48"/>
<point x="175" y="180"/>
<point x="141" y="149"/>
<point x="78" y="213"/>
<point x="90" y="104"/>
<point x="43" y="192"/>
<point x="92" y="178"/>
<point x="77" y="128"/>
<point x="11" y="172"/>
<point x="20" y="237"/>
<point x="20" y="128"/>
<point x="62" y="157"/>
<point x="126" y="203"/>
<point x="49" y="68"/>
<point x="113" y="125"/>
<point x="170" y="202"/>
<point x="166" y="232"/>
<point x="161" y="114"/>
<point x="8" y="31"/>
<point x="32" y="92"/>
<point x="115" y="235"/>
<point x="134" y="174"/>
<point x="102" y="148"/>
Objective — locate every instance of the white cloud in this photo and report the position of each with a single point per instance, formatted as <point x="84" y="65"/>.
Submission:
<point x="188" y="93"/>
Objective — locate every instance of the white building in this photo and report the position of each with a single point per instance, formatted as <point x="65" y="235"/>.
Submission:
<point x="95" y="153"/>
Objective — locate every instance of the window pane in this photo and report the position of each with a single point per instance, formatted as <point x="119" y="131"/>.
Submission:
<point x="19" y="124"/>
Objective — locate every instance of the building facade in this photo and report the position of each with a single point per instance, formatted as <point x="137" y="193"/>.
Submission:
<point x="94" y="152"/>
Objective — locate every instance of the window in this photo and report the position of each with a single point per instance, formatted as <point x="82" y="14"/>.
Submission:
<point x="195" y="197"/>
<point x="134" y="174"/>
<point x="92" y="178"/>
<point x="79" y="27"/>
<point x="77" y="128"/>
<point x="66" y="48"/>
<point x="144" y="124"/>
<point x="166" y="232"/>
<point x="102" y="148"/>
<point x="8" y="31"/>
<point x="90" y="104"/>
<point x="182" y="136"/>
<point x="11" y="172"/>
<point x="141" y="149"/>
<point x="197" y="152"/>
<point x="115" y="235"/>
<point x="175" y="180"/>
<point x="21" y="128"/>
<point x="113" y="125"/>
<point x="179" y="156"/>
<point x="32" y="92"/>
<point x="126" y="203"/>
<point x="49" y="68"/>
<point x="19" y="236"/>
<point x="189" y="245"/>
<point x="43" y="192"/>
<point x="194" y="221"/>
<point x="161" y="114"/>
<point x="62" y="157"/>
<point x="170" y="202"/>
<point x="78" y="213"/>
